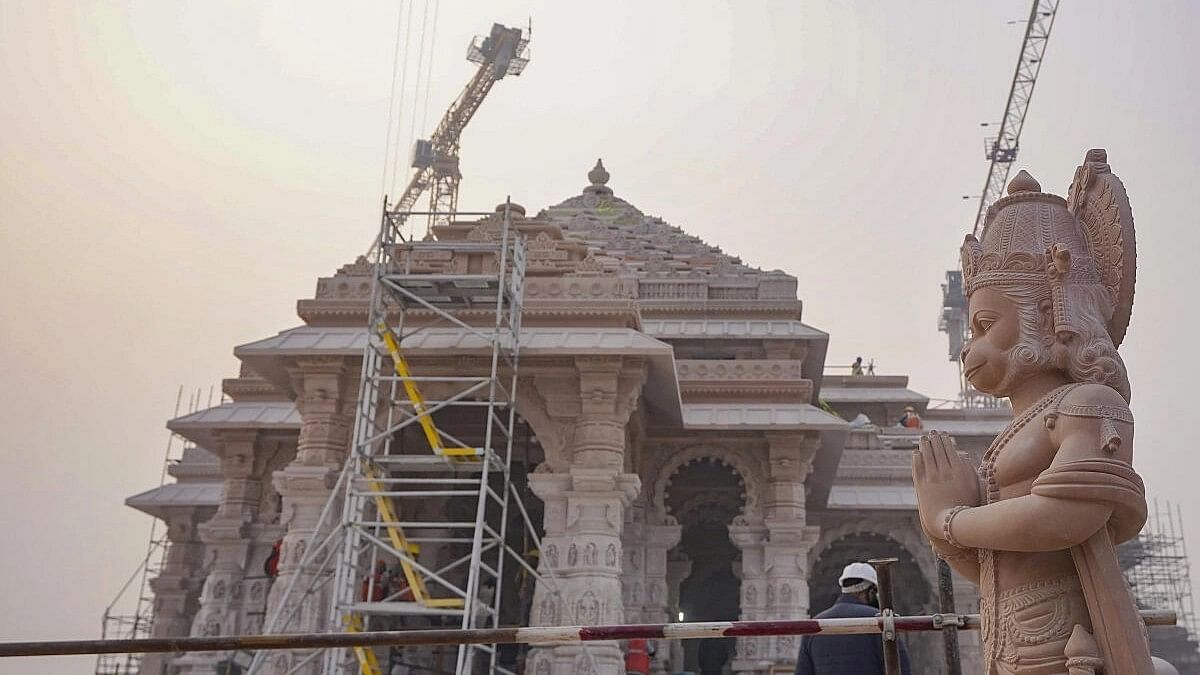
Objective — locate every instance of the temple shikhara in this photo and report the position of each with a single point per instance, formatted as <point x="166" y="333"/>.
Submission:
<point x="583" y="416"/>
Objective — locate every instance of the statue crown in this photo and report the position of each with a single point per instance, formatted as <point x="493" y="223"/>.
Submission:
<point x="1032" y="237"/>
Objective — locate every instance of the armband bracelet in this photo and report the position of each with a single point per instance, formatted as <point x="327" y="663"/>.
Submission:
<point x="948" y="522"/>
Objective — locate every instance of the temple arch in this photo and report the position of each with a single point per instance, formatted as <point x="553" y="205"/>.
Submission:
<point x="751" y="475"/>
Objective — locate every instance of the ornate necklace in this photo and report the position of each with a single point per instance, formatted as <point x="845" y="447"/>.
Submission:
<point x="988" y="466"/>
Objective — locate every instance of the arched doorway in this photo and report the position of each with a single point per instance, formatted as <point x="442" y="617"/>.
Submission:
<point x="913" y="593"/>
<point x="705" y="495"/>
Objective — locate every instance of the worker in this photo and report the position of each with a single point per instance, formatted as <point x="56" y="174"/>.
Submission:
<point x="637" y="657"/>
<point x="849" y="654"/>
<point x="372" y="587"/>
<point x="856" y="368"/>
<point x="910" y="419"/>
<point x="271" y="564"/>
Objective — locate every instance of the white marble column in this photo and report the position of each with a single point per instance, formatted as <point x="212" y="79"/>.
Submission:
<point x="229" y="542"/>
<point x="748" y="534"/>
<point x="325" y="396"/>
<point x="775" y="550"/>
<point x="633" y="571"/>
<point x="177" y="586"/>
<point x="656" y="599"/>
<point x="584" y="517"/>
<point x="789" y="537"/>
<point x="679" y="567"/>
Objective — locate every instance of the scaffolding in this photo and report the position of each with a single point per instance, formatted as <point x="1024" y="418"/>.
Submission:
<point x="138" y="620"/>
<point x="1156" y="565"/>
<point x="130" y="615"/>
<point x="426" y="497"/>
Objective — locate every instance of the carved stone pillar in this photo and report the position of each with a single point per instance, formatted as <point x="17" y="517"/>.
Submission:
<point x="656" y="602"/>
<point x="678" y="569"/>
<point x="584" y="517"/>
<point x="325" y="396"/>
<point x="789" y="537"/>
<point x="229" y="540"/>
<point x="633" y="569"/>
<point x="775" y="552"/>
<point x="748" y="534"/>
<point x="177" y="586"/>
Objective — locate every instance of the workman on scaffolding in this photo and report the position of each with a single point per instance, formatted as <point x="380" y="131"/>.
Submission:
<point x="849" y="654"/>
<point x="910" y="419"/>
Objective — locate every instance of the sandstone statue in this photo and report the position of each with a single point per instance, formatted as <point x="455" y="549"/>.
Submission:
<point x="1050" y="287"/>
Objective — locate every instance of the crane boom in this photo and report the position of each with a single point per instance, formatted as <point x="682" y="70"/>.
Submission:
<point x="505" y="51"/>
<point x="1002" y="149"/>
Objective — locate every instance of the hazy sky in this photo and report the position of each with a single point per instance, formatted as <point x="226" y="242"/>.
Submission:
<point x="173" y="176"/>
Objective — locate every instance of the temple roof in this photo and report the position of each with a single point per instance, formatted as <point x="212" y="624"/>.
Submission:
<point x="624" y="239"/>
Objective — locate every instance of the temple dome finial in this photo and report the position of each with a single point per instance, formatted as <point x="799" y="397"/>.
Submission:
<point x="1024" y="183"/>
<point x="598" y="175"/>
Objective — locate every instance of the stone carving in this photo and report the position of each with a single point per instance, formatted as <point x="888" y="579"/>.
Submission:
<point x="549" y="612"/>
<point x="751" y="595"/>
<point x="587" y="610"/>
<point x="589" y="554"/>
<point x="218" y="589"/>
<point x="1050" y="290"/>
<point x="785" y="594"/>
<point x="770" y="595"/>
<point x="543" y="667"/>
<point x="573" y="555"/>
<point x="552" y="556"/>
<point x="610" y="555"/>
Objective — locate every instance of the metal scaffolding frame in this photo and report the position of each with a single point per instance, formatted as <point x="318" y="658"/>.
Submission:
<point x="130" y="615"/>
<point x="392" y="501"/>
<point x="1156" y="565"/>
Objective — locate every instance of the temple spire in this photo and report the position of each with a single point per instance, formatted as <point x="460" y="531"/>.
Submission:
<point x="598" y="175"/>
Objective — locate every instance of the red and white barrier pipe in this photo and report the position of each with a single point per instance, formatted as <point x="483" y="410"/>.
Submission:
<point x="538" y="635"/>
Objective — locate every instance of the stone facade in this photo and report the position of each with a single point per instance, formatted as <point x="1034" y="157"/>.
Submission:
<point x="680" y="460"/>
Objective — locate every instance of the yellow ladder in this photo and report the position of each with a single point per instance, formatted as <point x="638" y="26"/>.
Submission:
<point x="416" y="583"/>
<point x="418" y="402"/>
<point x="383" y="503"/>
<point x="368" y="663"/>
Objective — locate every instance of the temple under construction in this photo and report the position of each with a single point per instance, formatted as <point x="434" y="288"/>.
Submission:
<point x="582" y="416"/>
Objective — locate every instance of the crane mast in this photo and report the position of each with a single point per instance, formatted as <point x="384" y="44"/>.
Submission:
<point x="505" y="51"/>
<point x="1001" y="152"/>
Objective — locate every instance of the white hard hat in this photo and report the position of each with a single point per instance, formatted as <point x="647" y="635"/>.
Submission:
<point x="1162" y="667"/>
<point x="858" y="570"/>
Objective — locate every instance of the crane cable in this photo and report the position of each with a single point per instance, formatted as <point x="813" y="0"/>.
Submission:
<point x="403" y="90"/>
<point x="387" y="140"/>
<point x="412" y="129"/>
<point x="429" y="70"/>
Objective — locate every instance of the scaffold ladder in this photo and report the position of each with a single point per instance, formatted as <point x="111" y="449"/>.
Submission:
<point x="439" y="512"/>
<point x="388" y="488"/>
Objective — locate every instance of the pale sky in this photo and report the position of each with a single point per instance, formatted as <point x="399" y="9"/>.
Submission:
<point x="175" y="175"/>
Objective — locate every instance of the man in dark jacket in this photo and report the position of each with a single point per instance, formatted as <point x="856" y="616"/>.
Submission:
<point x="849" y="654"/>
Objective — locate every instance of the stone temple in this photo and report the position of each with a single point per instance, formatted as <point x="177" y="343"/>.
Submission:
<point x="747" y="470"/>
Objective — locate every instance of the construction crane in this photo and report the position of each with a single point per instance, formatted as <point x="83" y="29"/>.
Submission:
<point x="505" y="51"/>
<point x="1001" y="152"/>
